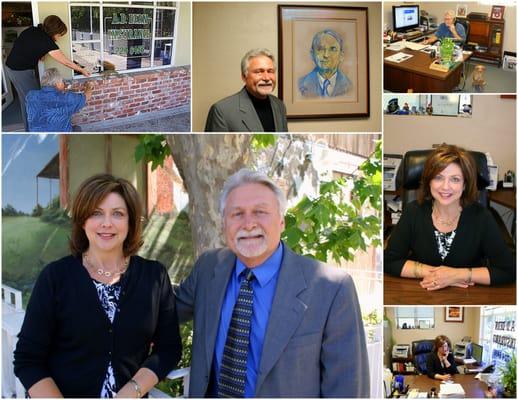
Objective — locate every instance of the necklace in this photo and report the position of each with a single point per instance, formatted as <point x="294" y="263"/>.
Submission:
<point x="449" y="222"/>
<point x="102" y="272"/>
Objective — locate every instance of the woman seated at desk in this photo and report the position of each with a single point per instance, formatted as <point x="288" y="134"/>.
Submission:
<point x="446" y="238"/>
<point x="440" y="363"/>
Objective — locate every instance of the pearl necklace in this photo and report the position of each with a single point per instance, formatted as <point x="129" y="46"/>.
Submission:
<point x="102" y="272"/>
<point x="449" y="222"/>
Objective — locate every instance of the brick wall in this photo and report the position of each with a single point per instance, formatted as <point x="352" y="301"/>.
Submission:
<point x="160" y="188"/>
<point x="125" y="95"/>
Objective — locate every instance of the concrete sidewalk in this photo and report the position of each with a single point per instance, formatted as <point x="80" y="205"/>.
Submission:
<point x="178" y="120"/>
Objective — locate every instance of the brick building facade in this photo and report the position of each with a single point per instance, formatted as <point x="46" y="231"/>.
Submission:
<point x="118" y="96"/>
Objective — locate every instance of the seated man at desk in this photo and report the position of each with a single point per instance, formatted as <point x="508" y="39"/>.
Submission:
<point x="440" y="363"/>
<point x="448" y="29"/>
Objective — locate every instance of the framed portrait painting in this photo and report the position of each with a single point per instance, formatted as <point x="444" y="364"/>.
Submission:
<point x="324" y="61"/>
<point x="453" y="314"/>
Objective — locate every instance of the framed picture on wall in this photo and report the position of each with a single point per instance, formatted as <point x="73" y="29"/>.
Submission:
<point x="324" y="61"/>
<point x="462" y="10"/>
<point x="497" y="12"/>
<point x="453" y="314"/>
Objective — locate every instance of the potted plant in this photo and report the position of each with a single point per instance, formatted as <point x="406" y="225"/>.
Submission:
<point x="509" y="377"/>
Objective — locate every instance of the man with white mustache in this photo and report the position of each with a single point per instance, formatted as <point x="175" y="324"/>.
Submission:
<point x="303" y="335"/>
<point x="254" y="108"/>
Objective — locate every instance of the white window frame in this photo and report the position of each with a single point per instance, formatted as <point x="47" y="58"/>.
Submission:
<point x="152" y="5"/>
<point x="416" y="315"/>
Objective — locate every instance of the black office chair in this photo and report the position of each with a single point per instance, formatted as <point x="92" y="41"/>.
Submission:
<point x="411" y="168"/>
<point x="409" y="178"/>
<point x="465" y="23"/>
<point x="420" y="351"/>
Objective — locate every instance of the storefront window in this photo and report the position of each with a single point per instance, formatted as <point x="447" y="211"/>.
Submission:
<point x="109" y="37"/>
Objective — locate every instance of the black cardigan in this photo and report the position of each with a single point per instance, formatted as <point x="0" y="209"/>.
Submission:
<point x="433" y="365"/>
<point x="66" y="334"/>
<point x="477" y="239"/>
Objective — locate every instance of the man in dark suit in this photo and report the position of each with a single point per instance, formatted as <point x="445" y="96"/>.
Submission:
<point x="253" y="108"/>
<point x="269" y="322"/>
<point x="326" y="79"/>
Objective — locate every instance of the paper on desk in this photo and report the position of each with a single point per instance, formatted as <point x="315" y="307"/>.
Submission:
<point x="415" y="46"/>
<point x="469" y="361"/>
<point x="398" y="57"/>
<point x="451" y="390"/>
<point x="396" y="46"/>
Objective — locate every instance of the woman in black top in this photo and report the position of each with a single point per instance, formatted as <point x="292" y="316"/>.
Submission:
<point x="440" y="363"/>
<point x="447" y="238"/>
<point x="101" y="322"/>
<point x="33" y="44"/>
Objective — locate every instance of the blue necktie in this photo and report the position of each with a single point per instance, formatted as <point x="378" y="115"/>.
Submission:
<point x="325" y="86"/>
<point x="232" y="374"/>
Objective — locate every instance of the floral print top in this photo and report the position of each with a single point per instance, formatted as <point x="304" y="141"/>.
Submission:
<point x="109" y="297"/>
<point x="444" y="242"/>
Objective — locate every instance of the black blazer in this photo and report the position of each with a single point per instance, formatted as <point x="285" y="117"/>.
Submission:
<point x="67" y="336"/>
<point x="433" y="365"/>
<point x="477" y="243"/>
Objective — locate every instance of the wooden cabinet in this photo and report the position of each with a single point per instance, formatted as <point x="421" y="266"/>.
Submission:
<point x="487" y="39"/>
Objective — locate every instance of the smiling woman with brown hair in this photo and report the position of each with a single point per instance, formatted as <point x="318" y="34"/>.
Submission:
<point x="102" y="321"/>
<point x="447" y="238"/>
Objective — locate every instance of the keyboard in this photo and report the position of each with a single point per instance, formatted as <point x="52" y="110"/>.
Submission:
<point x="413" y="33"/>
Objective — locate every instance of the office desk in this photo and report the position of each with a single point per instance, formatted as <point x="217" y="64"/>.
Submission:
<point x="408" y="291"/>
<point x="504" y="196"/>
<point x="414" y="74"/>
<point x="473" y="387"/>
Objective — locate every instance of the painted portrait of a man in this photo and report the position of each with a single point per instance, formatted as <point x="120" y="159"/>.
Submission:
<point x="326" y="79"/>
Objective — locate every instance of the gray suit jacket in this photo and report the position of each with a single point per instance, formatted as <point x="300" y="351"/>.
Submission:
<point x="236" y="113"/>
<point x="314" y="344"/>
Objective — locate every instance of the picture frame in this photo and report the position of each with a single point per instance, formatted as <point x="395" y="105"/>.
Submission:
<point x="462" y="10"/>
<point x="320" y="42"/>
<point x="497" y="12"/>
<point x="453" y="314"/>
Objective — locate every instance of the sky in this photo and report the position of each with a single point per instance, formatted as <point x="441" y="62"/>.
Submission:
<point x="23" y="157"/>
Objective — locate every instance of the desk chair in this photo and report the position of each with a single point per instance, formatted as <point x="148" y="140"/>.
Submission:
<point x="420" y="351"/>
<point x="465" y="23"/>
<point x="409" y="177"/>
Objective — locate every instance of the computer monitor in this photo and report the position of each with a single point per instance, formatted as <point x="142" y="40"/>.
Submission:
<point x="405" y="18"/>
<point x="476" y="352"/>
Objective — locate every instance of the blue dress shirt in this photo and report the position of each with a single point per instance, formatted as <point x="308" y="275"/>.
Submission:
<point x="264" y="286"/>
<point x="50" y="110"/>
<point x="444" y="32"/>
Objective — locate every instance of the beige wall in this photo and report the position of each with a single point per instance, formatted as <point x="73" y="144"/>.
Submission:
<point x="61" y="9"/>
<point x="86" y="157"/>
<point x="436" y="9"/>
<point x="454" y="330"/>
<point x="492" y="128"/>
<point x="183" y="47"/>
<point x="224" y="32"/>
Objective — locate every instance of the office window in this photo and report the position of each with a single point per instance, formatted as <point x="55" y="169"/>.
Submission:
<point x="415" y="317"/>
<point x="497" y="334"/>
<point x="123" y="36"/>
